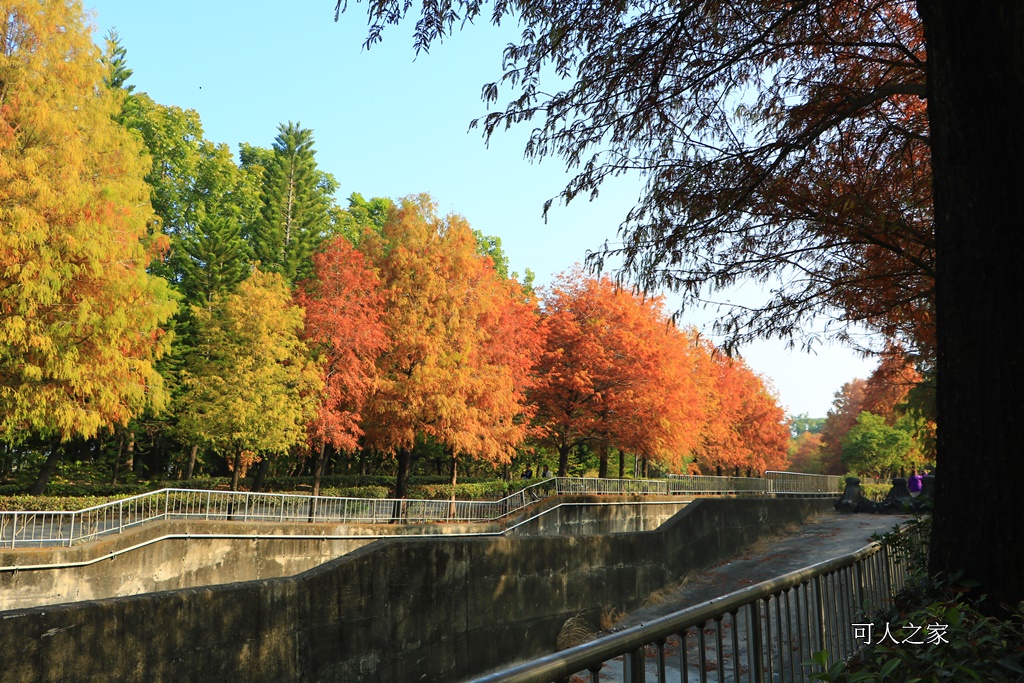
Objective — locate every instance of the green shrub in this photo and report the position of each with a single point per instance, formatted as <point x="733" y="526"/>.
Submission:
<point x="875" y="492"/>
<point x="356" y="492"/>
<point x="26" y="503"/>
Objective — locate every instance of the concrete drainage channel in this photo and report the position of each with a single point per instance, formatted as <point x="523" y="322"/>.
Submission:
<point x="393" y="610"/>
<point x="174" y="555"/>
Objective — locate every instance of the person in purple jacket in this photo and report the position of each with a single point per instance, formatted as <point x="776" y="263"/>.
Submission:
<point x="914" y="483"/>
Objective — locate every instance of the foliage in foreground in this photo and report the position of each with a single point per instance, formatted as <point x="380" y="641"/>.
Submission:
<point x="973" y="645"/>
<point x="979" y="648"/>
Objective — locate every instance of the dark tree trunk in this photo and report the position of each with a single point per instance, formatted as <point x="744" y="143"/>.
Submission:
<point x="975" y="100"/>
<point x="318" y="471"/>
<point x="404" y="458"/>
<point x="117" y="459"/>
<point x="134" y="462"/>
<point x="453" y="481"/>
<point x="318" y="468"/>
<point x="191" y="463"/>
<point x="49" y="467"/>
<point x="236" y="472"/>
<point x="261" y="473"/>
<point x="622" y="465"/>
<point x="563" y="459"/>
<point x="602" y="466"/>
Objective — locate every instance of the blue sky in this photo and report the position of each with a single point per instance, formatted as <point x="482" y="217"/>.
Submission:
<point x="388" y="123"/>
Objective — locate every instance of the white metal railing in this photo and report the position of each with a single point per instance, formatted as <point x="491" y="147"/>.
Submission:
<point x="699" y="483"/>
<point x="38" y="528"/>
<point x="803" y="484"/>
<point x="761" y="633"/>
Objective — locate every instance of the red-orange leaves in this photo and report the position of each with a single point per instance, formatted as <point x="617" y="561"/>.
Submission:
<point x="461" y="342"/>
<point x="614" y="374"/>
<point x="745" y="426"/>
<point x="343" y="306"/>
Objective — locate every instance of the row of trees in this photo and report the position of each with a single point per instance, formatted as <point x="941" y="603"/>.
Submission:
<point x="878" y="426"/>
<point x="849" y="155"/>
<point x="167" y="309"/>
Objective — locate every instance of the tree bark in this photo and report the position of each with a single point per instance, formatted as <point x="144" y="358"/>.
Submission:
<point x="48" y="468"/>
<point x="191" y="463"/>
<point x="452" y="481"/>
<point x="117" y="458"/>
<point x="602" y="466"/>
<point x="134" y="459"/>
<point x="975" y="97"/>
<point x="261" y="473"/>
<point x="236" y="475"/>
<point x="404" y="458"/>
<point x="563" y="459"/>
<point x="318" y="468"/>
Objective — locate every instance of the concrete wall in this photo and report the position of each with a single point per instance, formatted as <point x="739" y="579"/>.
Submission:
<point x="159" y="558"/>
<point x="403" y="609"/>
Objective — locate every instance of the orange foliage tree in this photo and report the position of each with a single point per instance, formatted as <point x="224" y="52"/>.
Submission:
<point x="847" y="404"/>
<point x="805" y="454"/>
<point x="451" y="372"/>
<point x="612" y="374"/>
<point x="890" y="383"/>
<point x="344" y="305"/>
<point x="745" y="426"/>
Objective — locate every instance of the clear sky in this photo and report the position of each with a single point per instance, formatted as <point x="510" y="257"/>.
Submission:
<point x="388" y="123"/>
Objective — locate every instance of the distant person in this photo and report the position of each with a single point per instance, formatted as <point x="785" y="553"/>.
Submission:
<point x="528" y="474"/>
<point x="546" y="473"/>
<point x="914" y="483"/>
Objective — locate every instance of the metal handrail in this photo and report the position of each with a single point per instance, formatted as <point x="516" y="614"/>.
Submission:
<point x="836" y="593"/>
<point x="27" y="528"/>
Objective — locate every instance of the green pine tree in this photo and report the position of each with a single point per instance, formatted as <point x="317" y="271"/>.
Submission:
<point x="298" y="211"/>
<point x="219" y="259"/>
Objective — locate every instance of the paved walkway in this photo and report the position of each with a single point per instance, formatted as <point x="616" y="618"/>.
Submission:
<point x="823" y="538"/>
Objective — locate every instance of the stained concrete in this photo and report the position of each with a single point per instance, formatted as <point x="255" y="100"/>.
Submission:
<point x="172" y="554"/>
<point x="400" y="609"/>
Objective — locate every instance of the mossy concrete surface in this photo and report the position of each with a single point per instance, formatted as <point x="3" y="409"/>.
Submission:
<point x="398" y="609"/>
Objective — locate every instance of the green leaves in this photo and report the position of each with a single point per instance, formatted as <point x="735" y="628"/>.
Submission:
<point x="873" y="446"/>
<point x="297" y="203"/>
<point x="250" y="388"/>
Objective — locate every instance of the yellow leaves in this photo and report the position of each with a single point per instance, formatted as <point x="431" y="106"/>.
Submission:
<point x="80" y="318"/>
<point x="251" y="385"/>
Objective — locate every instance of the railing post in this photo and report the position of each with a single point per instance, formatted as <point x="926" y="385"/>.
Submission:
<point x="14" y="530"/>
<point x="756" y="647"/>
<point x="634" y="666"/>
<point x="819" y="613"/>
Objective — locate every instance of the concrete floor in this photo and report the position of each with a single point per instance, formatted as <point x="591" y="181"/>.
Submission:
<point x="824" y="538"/>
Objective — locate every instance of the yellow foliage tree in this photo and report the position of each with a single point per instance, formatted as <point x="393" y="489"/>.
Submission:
<point x="80" y="318"/>
<point x="252" y="388"/>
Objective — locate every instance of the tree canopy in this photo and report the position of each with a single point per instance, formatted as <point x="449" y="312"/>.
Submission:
<point x="782" y="143"/>
<point x="849" y="156"/>
<point x="80" y="318"/>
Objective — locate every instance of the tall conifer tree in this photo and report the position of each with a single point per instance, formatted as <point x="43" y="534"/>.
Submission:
<point x="297" y="205"/>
